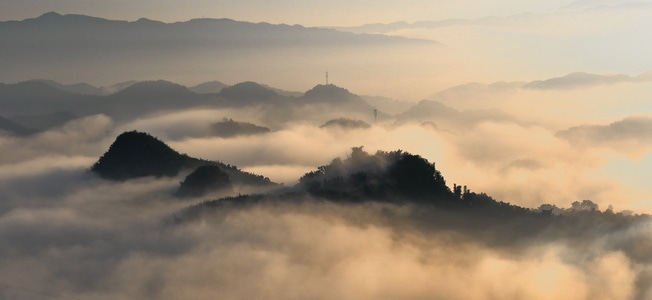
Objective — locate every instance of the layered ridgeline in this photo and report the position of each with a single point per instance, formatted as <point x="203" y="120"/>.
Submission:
<point x="197" y="48"/>
<point x="137" y="154"/>
<point x="405" y="195"/>
<point x="399" y="177"/>
<point x="38" y="102"/>
<point x="402" y="193"/>
<point x="395" y="177"/>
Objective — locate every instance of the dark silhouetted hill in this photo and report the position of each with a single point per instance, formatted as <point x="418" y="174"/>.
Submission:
<point x="345" y="123"/>
<point x="204" y="179"/>
<point x="393" y="175"/>
<point x="229" y="128"/>
<point x="146" y="97"/>
<point x="159" y="88"/>
<point x="330" y="93"/>
<point x="406" y="194"/>
<point x="248" y="92"/>
<point x="136" y="154"/>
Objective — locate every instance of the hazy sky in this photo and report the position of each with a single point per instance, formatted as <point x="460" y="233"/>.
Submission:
<point x="525" y="40"/>
<point x="309" y="13"/>
<point x="537" y="102"/>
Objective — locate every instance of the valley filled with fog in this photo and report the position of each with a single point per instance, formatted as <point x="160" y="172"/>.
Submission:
<point x="215" y="159"/>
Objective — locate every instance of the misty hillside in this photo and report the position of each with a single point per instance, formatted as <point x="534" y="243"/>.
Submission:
<point x="204" y="179"/>
<point x="136" y="99"/>
<point x="407" y="194"/>
<point x="441" y="114"/>
<point x="229" y="128"/>
<point x="248" y="93"/>
<point x="136" y="154"/>
<point x="133" y="100"/>
<point x="334" y="94"/>
<point x="35" y="97"/>
<point x="203" y="32"/>
<point x="395" y="177"/>
<point x="77" y="88"/>
<point x="139" y="48"/>
<point x="148" y="97"/>
<point x="10" y="127"/>
<point x="385" y="175"/>
<point x="345" y="123"/>
<point x="44" y="121"/>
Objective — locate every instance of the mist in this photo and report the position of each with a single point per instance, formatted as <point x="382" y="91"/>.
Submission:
<point x="318" y="136"/>
<point x="71" y="233"/>
<point x="94" y="239"/>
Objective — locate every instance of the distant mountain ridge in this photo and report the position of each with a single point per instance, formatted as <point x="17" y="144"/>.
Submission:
<point x="80" y="43"/>
<point x="136" y="99"/>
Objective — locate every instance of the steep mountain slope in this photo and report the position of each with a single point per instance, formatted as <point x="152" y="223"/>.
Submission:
<point x="137" y="154"/>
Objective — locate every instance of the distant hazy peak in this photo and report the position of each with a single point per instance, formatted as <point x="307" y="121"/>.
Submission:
<point x="576" y="80"/>
<point x="51" y="14"/>
<point x="247" y="90"/>
<point x="209" y="87"/>
<point x="155" y="86"/>
<point x="54" y="16"/>
<point x="328" y="90"/>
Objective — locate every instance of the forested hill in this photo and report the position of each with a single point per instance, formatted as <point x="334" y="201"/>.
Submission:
<point x="136" y="154"/>
<point x="407" y="193"/>
<point x="395" y="177"/>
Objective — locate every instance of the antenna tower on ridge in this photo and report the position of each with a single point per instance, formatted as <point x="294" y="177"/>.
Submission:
<point x="326" y="77"/>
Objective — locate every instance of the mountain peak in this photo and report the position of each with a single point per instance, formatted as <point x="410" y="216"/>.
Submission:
<point x="385" y="175"/>
<point x="204" y="179"/>
<point x="136" y="154"/>
<point x="329" y="91"/>
<point x="247" y="90"/>
<point x="49" y="15"/>
<point x="155" y="87"/>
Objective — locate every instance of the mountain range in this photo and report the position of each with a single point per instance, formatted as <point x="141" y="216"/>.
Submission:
<point x="107" y="50"/>
<point x="34" y="98"/>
